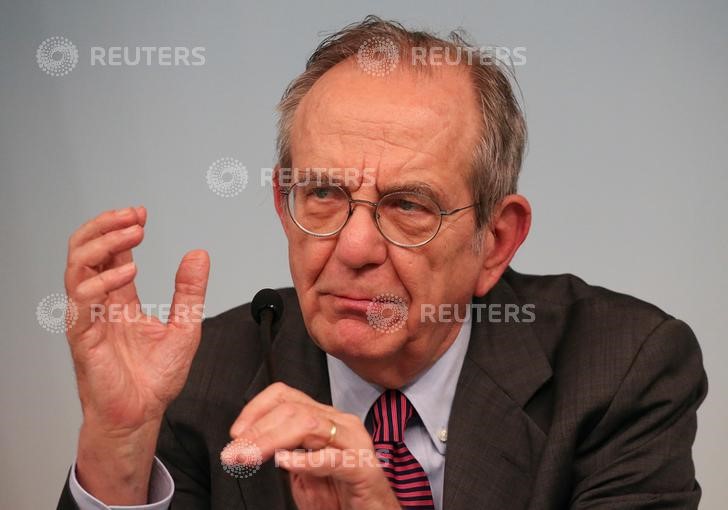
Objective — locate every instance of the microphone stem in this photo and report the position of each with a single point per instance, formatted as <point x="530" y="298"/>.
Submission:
<point x="266" y="324"/>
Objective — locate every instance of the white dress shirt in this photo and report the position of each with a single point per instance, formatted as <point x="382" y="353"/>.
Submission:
<point x="431" y="394"/>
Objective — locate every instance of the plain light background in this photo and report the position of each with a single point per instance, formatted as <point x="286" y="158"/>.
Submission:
<point x="626" y="170"/>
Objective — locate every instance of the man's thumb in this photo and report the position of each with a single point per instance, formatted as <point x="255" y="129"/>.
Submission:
<point x="190" y="285"/>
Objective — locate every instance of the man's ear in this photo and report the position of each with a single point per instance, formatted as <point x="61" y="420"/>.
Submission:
<point x="504" y="234"/>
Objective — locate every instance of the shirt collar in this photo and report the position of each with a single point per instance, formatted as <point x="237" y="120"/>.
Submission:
<point x="352" y="394"/>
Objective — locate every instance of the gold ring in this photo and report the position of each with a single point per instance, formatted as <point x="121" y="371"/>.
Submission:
<point x="332" y="434"/>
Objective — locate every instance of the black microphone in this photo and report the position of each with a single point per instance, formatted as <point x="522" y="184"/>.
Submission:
<point x="267" y="308"/>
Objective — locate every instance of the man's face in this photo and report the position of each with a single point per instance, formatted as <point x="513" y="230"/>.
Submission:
<point x="404" y="129"/>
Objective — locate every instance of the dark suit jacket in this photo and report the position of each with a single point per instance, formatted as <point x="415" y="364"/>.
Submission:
<point x="592" y="405"/>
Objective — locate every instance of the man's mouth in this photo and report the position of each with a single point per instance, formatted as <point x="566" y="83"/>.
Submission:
<point x="349" y="303"/>
<point x="383" y="311"/>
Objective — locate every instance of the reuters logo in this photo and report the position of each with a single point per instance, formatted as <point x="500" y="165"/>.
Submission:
<point x="378" y="56"/>
<point x="387" y="313"/>
<point x="57" y="56"/>
<point x="56" y="313"/>
<point x="227" y="177"/>
<point x="241" y="458"/>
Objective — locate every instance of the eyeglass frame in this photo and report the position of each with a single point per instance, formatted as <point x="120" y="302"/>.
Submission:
<point x="442" y="213"/>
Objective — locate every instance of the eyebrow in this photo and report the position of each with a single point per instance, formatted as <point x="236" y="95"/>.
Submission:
<point x="420" y="187"/>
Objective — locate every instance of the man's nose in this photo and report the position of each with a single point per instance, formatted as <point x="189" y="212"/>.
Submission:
<point x="360" y="243"/>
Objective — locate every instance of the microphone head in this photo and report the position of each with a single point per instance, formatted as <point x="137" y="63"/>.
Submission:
<point x="266" y="299"/>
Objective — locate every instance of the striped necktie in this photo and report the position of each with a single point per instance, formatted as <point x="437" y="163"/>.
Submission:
<point x="390" y="415"/>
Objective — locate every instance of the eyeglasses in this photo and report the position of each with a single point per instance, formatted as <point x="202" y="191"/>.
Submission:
<point x="404" y="218"/>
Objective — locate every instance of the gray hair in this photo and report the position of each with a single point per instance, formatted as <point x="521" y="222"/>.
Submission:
<point x="496" y="159"/>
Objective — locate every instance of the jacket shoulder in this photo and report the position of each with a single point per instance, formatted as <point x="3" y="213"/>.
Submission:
<point x="593" y="335"/>
<point x="567" y="290"/>
<point x="568" y="298"/>
<point x="585" y="328"/>
<point x="598" y="342"/>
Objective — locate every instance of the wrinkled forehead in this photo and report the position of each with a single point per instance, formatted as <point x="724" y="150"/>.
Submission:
<point x="402" y="123"/>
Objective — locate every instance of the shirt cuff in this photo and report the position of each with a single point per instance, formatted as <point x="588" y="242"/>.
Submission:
<point x="161" y="489"/>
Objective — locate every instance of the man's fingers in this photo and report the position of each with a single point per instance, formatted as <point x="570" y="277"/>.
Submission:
<point x="124" y="257"/>
<point x="107" y="222"/>
<point x="85" y="261"/>
<point x="343" y="465"/>
<point x="190" y="286"/>
<point x="313" y="492"/>
<point x="360" y="470"/>
<point x="103" y="243"/>
<point x="128" y="293"/>
<point x="102" y="249"/>
<point x="95" y="290"/>
<point x="297" y="425"/>
<point x="274" y="395"/>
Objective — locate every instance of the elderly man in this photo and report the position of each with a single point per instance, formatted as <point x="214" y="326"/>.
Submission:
<point x="387" y="395"/>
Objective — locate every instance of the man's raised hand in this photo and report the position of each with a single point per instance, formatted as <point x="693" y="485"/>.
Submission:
<point x="129" y="365"/>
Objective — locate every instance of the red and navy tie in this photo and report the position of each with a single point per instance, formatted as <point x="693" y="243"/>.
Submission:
<point x="390" y="415"/>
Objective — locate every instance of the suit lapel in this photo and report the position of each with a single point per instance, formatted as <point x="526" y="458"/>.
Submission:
<point x="493" y="445"/>
<point x="298" y="362"/>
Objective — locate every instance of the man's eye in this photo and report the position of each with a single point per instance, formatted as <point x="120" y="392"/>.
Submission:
<point x="408" y="205"/>
<point x="320" y="192"/>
